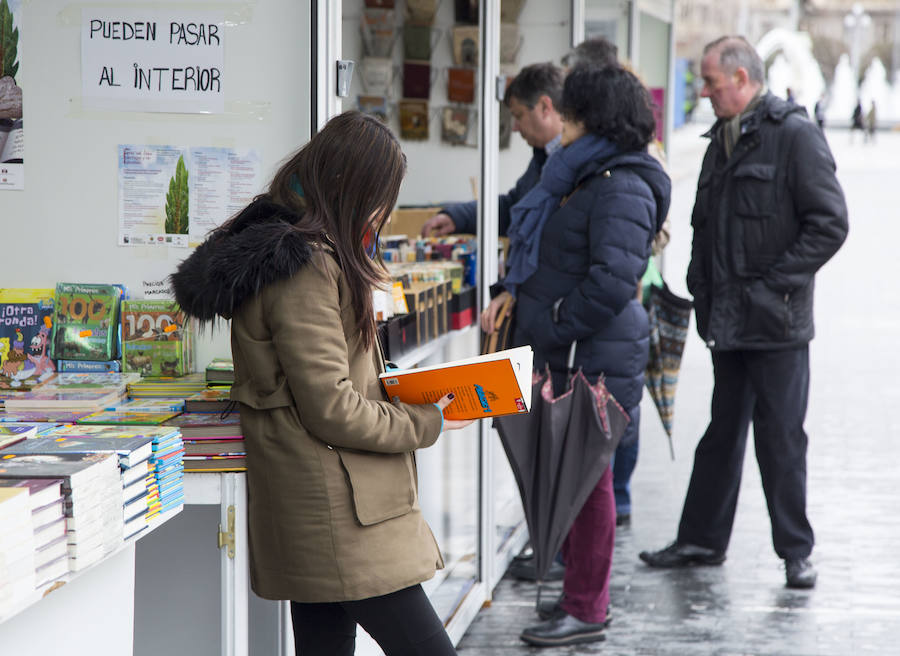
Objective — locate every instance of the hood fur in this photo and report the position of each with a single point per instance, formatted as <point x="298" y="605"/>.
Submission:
<point x="262" y="246"/>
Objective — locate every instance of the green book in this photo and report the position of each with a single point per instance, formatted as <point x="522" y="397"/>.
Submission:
<point x="85" y="321"/>
<point x="157" y="339"/>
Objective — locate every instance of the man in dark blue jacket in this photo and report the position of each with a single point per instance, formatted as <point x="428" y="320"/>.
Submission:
<point x="769" y="213"/>
<point x="532" y="98"/>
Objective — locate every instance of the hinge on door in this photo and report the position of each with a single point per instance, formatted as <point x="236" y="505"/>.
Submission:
<point x="226" y="538"/>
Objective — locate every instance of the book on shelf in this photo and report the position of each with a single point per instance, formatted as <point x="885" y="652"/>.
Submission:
<point x="168" y="406"/>
<point x="167" y="387"/>
<point x="115" y="417"/>
<point x="56" y="399"/>
<point x="130" y="449"/>
<point x="212" y="399"/>
<point x="41" y="491"/>
<point x="220" y="372"/>
<point x="25" y="323"/>
<point x="88" y="366"/>
<point x="157" y="338"/>
<point x="86" y="321"/>
<point x="94" y="380"/>
<point x="12" y="433"/>
<point x="198" y="425"/>
<point x="490" y="385"/>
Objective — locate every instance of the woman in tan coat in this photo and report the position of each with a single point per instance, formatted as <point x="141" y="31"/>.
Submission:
<point x="335" y="523"/>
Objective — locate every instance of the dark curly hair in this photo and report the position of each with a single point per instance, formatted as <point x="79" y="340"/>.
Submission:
<point x="611" y="102"/>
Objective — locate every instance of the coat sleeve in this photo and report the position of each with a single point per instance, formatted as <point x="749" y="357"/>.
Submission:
<point x="619" y="235"/>
<point x="307" y="331"/>
<point x="820" y="209"/>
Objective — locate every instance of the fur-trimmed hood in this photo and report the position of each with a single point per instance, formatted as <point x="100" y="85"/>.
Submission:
<point x="260" y="247"/>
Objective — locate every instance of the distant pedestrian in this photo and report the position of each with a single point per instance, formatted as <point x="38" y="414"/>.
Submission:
<point x="789" y="95"/>
<point x="819" y="112"/>
<point x="871" y="123"/>
<point x="856" y="121"/>
<point x="769" y="213"/>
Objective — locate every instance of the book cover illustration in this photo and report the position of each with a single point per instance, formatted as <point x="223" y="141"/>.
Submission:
<point x="214" y="399"/>
<point x="73" y="467"/>
<point x="156" y="338"/>
<point x="127" y="417"/>
<point x="26" y="317"/>
<point x="130" y="449"/>
<point x="86" y="321"/>
<point x="489" y="385"/>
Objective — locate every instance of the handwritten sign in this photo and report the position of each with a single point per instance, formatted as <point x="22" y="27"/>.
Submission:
<point x="153" y="60"/>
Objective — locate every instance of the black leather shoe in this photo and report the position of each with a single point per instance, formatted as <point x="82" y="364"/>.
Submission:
<point x="800" y="573"/>
<point x="679" y="554"/>
<point x="524" y="570"/>
<point x="550" y="609"/>
<point x="562" y="631"/>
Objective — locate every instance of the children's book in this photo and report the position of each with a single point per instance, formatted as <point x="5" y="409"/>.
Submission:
<point x="93" y="380"/>
<point x="220" y="371"/>
<point x="157" y="338"/>
<point x="160" y="434"/>
<point x="88" y="366"/>
<point x="127" y="417"/>
<point x="490" y="385"/>
<point x="26" y="317"/>
<point x="86" y="321"/>
<point x="199" y="425"/>
<point x="213" y="399"/>
<point x="59" y="399"/>
<point x="130" y="449"/>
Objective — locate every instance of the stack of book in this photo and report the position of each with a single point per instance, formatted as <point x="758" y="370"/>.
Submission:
<point x="220" y="372"/>
<point x="212" y="443"/>
<point x="133" y="450"/>
<point x="16" y="549"/>
<point x="149" y="405"/>
<point x="168" y="468"/>
<point x="167" y="388"/>
<point x="11" y="433"/>
<point x="211" y="399"/>
<point x="126" y="418"/>
<point x="48" y="521"/>
<point x="93" y="491"/>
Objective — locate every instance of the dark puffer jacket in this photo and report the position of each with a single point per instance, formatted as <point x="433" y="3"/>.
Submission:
<point x="593" y="251"/>
<point x="765" y="220"/>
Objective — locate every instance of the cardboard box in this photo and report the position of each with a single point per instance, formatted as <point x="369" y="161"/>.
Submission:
<point x="409" y="221"/>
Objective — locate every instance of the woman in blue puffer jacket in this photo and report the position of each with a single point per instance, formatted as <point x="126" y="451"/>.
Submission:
<point x="579" y="244"/>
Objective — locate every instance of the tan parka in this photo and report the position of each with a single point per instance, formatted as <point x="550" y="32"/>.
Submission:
<point x="333" y="504"/>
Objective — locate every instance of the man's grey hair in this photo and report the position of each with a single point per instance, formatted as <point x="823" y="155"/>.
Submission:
<point x="736" y="52"/>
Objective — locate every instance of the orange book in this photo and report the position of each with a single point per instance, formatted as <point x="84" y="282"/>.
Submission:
<point x="488" y="385"/>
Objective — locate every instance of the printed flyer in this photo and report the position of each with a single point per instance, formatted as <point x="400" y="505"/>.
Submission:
<point x="173" y="196"/>
<point x="12" y="136"/>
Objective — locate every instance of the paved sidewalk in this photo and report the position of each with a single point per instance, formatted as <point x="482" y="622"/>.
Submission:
<point x="742" y="607"/>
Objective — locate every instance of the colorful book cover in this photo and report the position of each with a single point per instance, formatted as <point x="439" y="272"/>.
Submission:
<point x="42" y="416"/>
<point x="73" y="468"/>
<point x="212" y="399"/>
<point x="55" y="398"/>
<point x="90" y="380"/>
<point x="87" y="366"/>
<point x="489" y="385"/>
<point x="156" y="338"/>
<point x="158" y="434"/>
<point x="26" y="317"/>
<point x="86" y="321"/>
<point x="127" y="417"/>
<point x="149" y="405"/>
<point x="130" y="449"/>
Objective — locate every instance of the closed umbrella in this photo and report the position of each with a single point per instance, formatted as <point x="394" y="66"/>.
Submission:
<point x="557" y="453"/>
<point x="669" y="317"/>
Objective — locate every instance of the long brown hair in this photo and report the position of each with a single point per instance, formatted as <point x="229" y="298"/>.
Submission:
<point x="350" y="174"/>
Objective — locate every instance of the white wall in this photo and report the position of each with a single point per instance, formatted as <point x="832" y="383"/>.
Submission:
<point x="439" y="172"/>
<point x="63" y="226"/>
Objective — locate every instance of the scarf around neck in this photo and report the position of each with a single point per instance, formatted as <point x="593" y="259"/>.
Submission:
<point x="530" y="214"/>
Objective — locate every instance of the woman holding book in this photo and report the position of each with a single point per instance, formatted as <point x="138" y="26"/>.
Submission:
<point x="579" y="244"/>
<point x="334" y="520"/>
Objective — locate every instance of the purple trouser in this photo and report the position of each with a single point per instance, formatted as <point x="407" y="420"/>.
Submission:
<point x="588" y="551"/>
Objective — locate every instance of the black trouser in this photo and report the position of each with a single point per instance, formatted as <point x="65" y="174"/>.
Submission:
<point x="771" y="388"/>
<point x="402" y="623"/>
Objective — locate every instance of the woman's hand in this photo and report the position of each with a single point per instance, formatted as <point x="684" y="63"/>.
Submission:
<point x="489" y="314"/>
<point x="452" y="424"/>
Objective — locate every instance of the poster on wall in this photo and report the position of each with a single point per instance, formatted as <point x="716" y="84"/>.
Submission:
<point x="12" y="136"/>
<point x="173" y="196"/>
<point x="153" y="60"/>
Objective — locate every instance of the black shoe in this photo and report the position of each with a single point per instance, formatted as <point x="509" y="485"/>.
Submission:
<point x="562" y="631"/>
<point x="552" y="610"/>
<point x="679" y="554"/>
<point x="524" y="570"/>
<point x="623" y="519"/>
<point x="800" y="573"/>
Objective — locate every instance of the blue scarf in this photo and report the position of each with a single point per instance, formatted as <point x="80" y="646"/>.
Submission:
<point x="528" y="216"/>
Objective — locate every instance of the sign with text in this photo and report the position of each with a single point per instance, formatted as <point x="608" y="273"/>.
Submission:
<point x="153" y="60"/>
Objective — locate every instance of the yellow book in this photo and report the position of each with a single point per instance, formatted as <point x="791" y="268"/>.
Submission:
<point x="488" y="385"/>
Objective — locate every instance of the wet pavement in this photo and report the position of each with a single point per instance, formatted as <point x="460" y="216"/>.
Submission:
<point x="742" y="607"/>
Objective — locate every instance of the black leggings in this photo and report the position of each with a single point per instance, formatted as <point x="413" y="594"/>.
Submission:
<point x="403" y="623"/>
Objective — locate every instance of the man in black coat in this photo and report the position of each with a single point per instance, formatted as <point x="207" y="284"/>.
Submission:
<point x="769" y="213"/>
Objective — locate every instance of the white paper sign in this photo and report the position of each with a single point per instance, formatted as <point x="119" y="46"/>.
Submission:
<point x="153" y="60"/>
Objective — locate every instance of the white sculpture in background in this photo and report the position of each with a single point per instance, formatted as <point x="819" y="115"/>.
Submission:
<point x="793" y="66"/>
<point x="842" y="95"/>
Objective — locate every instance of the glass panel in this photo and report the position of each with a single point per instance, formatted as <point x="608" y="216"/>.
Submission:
<point x="609" y="19"/>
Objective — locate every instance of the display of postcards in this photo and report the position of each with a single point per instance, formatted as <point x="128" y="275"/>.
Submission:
<point x="130" y="449"/>
<point x="25" y="324"/>
<point x="455" y="125"/>
<point x="377" y="75"/>
<point x="416" y="79"/>
<point x="421" y="12"/>
<point x="465" y="45"/>
<point x="413" y="119"/>
<point x="419" y="41"/>
<point x="86" y="321"/>
<point x="199" y="425"/>
<point x="378" y="30"/>
<point x="127" y="417"/>
<point x="461" y="85"/>
<point x="220" y="370"/>
<point x="376" y="106"/>
<point x="213" y="399"/>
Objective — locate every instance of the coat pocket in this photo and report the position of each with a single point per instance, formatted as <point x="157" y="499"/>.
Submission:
<point x="754" y="190"/>
<point x="382" y="484"/>
<point x="767" y="314"/>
